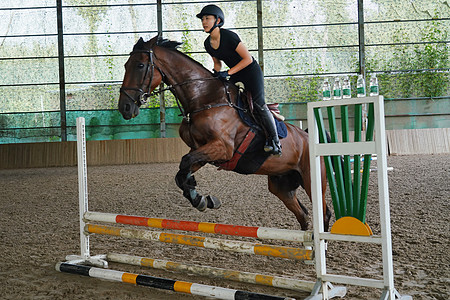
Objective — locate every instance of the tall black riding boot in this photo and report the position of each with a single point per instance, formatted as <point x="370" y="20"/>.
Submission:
<point x="273" y="145"/>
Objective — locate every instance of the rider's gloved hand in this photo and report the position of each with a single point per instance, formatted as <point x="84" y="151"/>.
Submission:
<point x="221" y="74"/>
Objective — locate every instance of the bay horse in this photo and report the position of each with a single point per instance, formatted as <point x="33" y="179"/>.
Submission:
<point x="211" y="126"/>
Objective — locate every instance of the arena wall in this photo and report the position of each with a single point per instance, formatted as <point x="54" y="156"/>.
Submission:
<point x="160" y="150"/>
<point x="109" y="152"/>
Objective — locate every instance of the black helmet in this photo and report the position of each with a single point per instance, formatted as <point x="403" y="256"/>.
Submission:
<point x="212" y="10"/>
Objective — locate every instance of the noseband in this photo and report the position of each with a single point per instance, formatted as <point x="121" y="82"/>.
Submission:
<point x="142" y="99"/>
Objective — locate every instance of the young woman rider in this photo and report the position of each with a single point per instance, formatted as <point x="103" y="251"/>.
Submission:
<point x="225" y="45"/>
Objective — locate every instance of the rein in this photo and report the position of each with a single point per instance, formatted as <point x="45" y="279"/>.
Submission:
<point x="143" y="96"/>
<point x="187" y="116"/>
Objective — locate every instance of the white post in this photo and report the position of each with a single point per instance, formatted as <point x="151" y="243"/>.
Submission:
<point x="82" y="185"/>
<point x="85" y="256"/>
<point x="383" y="192"/>
<point x="316" y="194"/>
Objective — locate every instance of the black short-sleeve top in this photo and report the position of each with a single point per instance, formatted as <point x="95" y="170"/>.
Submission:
<point x="227" y="48"/>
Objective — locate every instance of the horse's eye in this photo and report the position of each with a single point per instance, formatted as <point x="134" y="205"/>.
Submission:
<point x="141" y="65"/>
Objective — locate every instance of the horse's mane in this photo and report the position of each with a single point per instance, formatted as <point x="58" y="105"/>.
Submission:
<point x="141" y="45"/>
<point x="165" y="43"/>
<point x="168" y="44"/>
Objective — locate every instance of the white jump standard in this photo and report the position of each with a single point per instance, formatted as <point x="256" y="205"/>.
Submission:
<point x="319" y="147"/>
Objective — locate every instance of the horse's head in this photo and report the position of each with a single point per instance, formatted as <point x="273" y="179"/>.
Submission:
<point x="157" y="60"/>
<point x="141" y="78"/>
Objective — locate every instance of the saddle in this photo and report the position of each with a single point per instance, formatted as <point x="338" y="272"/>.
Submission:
<point x="246" y="97"/>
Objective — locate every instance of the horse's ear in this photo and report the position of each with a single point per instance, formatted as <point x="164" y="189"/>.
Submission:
<point x="153" y="41"/>
<point x="139" y="44"/>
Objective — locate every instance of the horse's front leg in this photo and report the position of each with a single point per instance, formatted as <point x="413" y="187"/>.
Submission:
<point x="187" y="183"/>
<point x="185" y="179"/>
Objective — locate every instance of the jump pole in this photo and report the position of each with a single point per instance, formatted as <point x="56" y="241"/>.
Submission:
<point x="163" y="283"/>
<point x="247" y="277"/>
<point x="262" y="233"/>
<point x="203" y="242"/>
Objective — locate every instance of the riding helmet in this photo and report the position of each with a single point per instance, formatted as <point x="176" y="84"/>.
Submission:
<point x="212" y="10"/>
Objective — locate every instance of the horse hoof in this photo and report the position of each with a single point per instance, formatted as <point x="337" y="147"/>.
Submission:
<point x="202" y="203"/>
<point x="213" y="202"/>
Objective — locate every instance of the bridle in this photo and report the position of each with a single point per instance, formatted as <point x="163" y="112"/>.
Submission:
<point x="144" y="95"/>
<point x="142" y="99"/>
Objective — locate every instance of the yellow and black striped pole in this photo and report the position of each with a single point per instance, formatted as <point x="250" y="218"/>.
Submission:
<point x="163" y="283"/>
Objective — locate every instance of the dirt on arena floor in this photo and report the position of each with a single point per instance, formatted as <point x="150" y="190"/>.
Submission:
<point x="39" y="227"/>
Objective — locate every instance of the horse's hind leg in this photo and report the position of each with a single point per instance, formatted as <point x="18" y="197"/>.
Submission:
<point x="285" y="187"/>
<point x="306" y="184"/>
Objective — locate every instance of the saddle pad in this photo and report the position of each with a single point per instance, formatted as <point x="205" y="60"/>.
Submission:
<point x="249" y="156"/>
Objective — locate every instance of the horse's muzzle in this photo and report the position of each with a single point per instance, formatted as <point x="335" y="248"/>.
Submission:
<point x="128" y="109"/>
